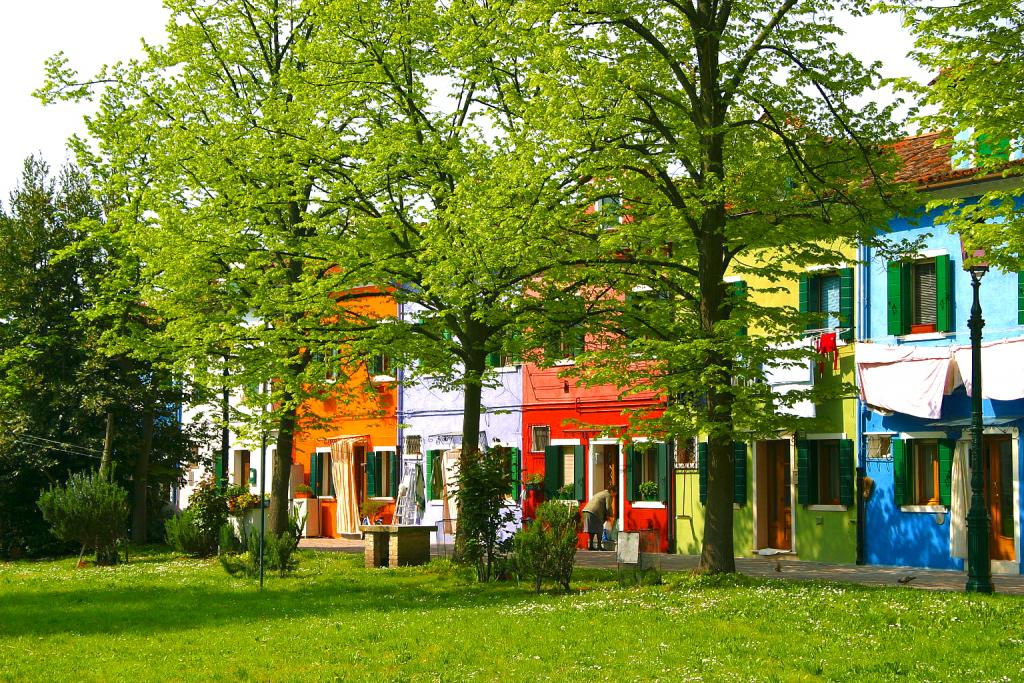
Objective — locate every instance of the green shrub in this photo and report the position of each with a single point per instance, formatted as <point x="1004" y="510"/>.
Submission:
<point x="186" y="534"/>
<point x="484" y="512"/>
<point x="210" y="505"/>
<point x="88" y="510"/>
<point x="546" y="548"/>
<point x="278" y="550"/>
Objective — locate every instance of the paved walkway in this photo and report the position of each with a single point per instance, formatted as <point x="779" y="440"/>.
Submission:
<point x="768" y="567"/>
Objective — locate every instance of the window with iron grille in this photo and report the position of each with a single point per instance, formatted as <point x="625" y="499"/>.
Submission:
<point x="413" y="445"/>
<point x="540" y="438"/>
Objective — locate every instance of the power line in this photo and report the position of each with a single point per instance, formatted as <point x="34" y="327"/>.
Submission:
<point x="62" y="444"/>
<point x="55" y="449"/>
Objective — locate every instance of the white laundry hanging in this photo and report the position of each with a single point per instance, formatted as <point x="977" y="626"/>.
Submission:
<point x="1002" y="368"/>
<point x="905" y="379"/>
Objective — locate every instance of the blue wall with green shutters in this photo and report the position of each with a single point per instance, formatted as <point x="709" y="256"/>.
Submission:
<point x="892" y="536"/>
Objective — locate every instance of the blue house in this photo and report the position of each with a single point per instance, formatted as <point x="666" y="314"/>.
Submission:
<point x="913" y="362"/>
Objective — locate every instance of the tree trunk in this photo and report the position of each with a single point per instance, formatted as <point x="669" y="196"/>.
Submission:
<point x="277" y="515"/>
<point x="472" y="387"/>
<point x="106" y="461"/>
<point x="140" y="477"/>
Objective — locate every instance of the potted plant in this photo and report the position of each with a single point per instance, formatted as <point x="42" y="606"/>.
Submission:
<point x="304" y="491"/>
<point x="648" y="490"/>
<point x="535" y="482"/>
<point x="567" y="492"/>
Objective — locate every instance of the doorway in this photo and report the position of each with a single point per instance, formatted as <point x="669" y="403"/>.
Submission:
<point x="997" y="450"/>
<point x="775" y="497"/>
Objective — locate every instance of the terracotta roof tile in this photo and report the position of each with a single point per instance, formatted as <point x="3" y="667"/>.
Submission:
<point x="925" y="163"/>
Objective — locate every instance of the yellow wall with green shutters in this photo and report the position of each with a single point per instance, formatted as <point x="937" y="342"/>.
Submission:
<point x="820" y="535"/>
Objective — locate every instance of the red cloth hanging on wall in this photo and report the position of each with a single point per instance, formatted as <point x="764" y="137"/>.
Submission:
<point x="826" y="346"/>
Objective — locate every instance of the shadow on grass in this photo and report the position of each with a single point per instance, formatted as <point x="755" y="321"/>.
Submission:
<point x="149" y="606"/>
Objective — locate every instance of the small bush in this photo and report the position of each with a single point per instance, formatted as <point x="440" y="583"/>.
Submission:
<point x="88" y="510"/>
<point x="186" y="534"/>
<point x="484" y="512"/>
<point x="648" y="490"/>
<point x="278" y="550"/>
<point x="210" y="505"/>
<point x="546" y="548"/>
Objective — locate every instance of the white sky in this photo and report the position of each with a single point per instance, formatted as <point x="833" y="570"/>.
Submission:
<point x="96" y="32"/>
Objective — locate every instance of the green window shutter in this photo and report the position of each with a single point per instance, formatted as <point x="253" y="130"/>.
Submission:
<point x="578" y="341"/>
<point x="377" y="365"/>
<point x="394" y="473"/>
<point x="372" y="468"/>
<point x="330" y="475"/>
<point x="493" y="359"/>
<point x="739" y="472"/>
<point x="944" y="308"/>
<point x="579" y="479"/>
<point x="946" y="470"/>
<point x="552" y="460"/>
<point x="804" y="294"/>
<point x="428" y="466"/>
<point x="846" y="303"/>
<point x="663" y="472"/>
<point x="631" y="478"/>
<point x="901" y="482"/>
<point x="847" y="469"/>
<point x="804" y="474"/>
<point x="895" y="309"/>
<point x="314" y="473"/>
<point x="702" y="472"/>
<point x="515" y="468"/>
<point x="739" y="294"/>
<point x="1020" y="298"/>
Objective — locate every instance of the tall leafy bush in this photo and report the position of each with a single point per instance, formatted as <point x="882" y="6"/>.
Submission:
<point x="90" y="511"/>
<point x="546" y="548"/>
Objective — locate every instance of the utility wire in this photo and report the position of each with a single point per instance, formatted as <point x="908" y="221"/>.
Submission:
<point x="55" y="449"/>
<point x="62" y="444"/>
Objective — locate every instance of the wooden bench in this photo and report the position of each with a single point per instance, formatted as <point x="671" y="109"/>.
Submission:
<point x="396" y="545"/>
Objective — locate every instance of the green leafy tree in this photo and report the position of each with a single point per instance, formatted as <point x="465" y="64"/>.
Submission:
<point x="976" y="98"/>
<point x="210" y="150"/>
<point x="725" y="136"/>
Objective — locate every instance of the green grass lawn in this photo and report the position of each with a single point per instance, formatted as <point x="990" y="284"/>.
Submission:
<point x="167" y="618"/>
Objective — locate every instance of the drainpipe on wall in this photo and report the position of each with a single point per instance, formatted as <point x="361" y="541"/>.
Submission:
<point x="399" y="409"/>
<point x="670" y="524"/>
<point x="862" y="327"/>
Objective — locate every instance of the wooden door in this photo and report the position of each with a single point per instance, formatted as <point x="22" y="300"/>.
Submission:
<point x="779" y="502"/>
<point x="999" y="495"/>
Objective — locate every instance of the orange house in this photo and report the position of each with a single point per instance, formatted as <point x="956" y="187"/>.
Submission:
<point x="361" y="413"/>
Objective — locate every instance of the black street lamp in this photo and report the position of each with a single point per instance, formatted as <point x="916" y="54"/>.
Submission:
<point x="979" y="566"/>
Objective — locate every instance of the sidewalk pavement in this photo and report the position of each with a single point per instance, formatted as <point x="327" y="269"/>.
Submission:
<point x="767" y="568"/>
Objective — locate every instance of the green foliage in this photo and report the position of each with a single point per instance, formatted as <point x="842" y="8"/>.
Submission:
<point x="239" y="500"/>
<point x="241" y="556"/>
<point x="187" y="534"/>
<point x="485" y="512"/>
<point x="90" y="511"/>
<point x="546" y="547"/>
<point x="648" y="490"/>
<point x="210" y="505"/>
<point x="977" y="101"/>
<point x="567" y="492"/>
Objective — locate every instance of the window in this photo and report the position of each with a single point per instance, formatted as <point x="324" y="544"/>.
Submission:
<point x="647" y="462"/>
<point x="413" y="444"/>
<point x="686" y="454"/>
<point x="879" y="447"/>
<point x="923" y="470"/>
<point x="380" y="366"/>
<point x="825" y="472"/>
<point x="540" y="437"/>
<point x="649" y="313"/>
<point x="828" y="473"/>
<point x="920" y="296"/>
<point x="830" y="294"/>
<point x="566" y="343"/>
<point x="739" y="472"/>
<point x="321" y="479"/>
<point x="381" y="474"/>
<point x="564" y="470"/>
